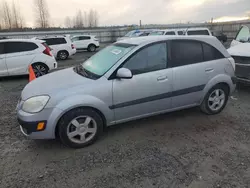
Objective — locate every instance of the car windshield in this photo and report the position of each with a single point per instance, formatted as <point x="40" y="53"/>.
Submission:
<point x="102" y="61"/>
<point x="157" y="33"/>
<point x="129" y="34"/>
<point x="243" y="34"/>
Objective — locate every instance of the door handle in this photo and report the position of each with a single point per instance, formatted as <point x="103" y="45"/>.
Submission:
<point x="209" y="70"/>
<point x="161" y="78"/>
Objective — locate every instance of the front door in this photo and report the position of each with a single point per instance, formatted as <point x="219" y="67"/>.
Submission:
<point x="3" y="67"/>
<point x="149" y="91"/>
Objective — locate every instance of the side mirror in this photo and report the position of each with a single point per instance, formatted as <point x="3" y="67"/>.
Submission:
<point x="124" y="73"/>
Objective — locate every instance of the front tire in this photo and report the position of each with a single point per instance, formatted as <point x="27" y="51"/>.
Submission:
<point x="91" y="48"/>
<point x="80" y="127"/>
<point x="215" y="100"/>
<point x="62" y="55"/>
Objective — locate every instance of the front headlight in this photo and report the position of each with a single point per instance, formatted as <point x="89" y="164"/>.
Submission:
<point x="35" y="104"/>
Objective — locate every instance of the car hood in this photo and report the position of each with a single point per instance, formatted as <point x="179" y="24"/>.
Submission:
<point x="122" y="38"/>
<point x="54" y="83"/>
<point x="242" y="49"/>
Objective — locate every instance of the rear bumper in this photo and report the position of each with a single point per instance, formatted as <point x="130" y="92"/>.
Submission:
<point x="72" y="52"/>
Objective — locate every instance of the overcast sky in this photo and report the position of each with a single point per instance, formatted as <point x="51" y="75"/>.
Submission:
<point x="120" y="12"/>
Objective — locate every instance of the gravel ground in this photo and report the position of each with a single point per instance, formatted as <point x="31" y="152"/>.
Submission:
<point x="180" y="149"/>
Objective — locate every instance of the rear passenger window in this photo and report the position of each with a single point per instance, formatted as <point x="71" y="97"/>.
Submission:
<point x="150" y="59"/>
<point x="198" y="32"/>
<point x="55" y="41"/>
<point x="84" y="38"/>
<point x="170" y="33"/>
<point x="14" y="47"/>
<point x="1" y="48"/>
<point x="185" y="52"/>
<point x="211" y="53"/>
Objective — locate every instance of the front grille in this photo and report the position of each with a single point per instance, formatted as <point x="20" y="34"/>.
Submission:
<point x="242" y="67"/>
<point x="242" y="60"/>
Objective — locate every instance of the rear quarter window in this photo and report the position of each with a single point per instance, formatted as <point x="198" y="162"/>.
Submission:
<point x="198" y="32"/>
<point x="211" y="53"/>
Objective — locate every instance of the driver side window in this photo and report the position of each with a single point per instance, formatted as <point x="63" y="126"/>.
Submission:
<point x="149" y="59"/>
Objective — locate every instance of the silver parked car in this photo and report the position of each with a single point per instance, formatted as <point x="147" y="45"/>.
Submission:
<point x="127" y="80"/>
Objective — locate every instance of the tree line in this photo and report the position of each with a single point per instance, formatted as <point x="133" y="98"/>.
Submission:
<point x="11" y="17"/>
<point x="82" y="20"/>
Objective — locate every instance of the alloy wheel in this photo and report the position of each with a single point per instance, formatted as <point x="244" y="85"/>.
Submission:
<point x="81" y="129"/>
<point x="216" y="99"/>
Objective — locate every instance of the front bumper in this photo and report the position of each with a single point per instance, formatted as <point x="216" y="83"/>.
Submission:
<point x="29" y="127"/>
<point x="28" y="123"/>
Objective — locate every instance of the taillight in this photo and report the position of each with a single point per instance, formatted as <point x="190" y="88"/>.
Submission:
<point x="232" y="62"/>
<point x="47" y="50"/>
<point x="72" y="46"/>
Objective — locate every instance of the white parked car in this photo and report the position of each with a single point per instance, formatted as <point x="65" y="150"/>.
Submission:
<point x="136" y="33"/>
<point x="62" y="46"/>
<point x="85" y="42"/>
<point x="183" y="31"/>
<point x="240" y="51"/>
<point x="17" y="54"/>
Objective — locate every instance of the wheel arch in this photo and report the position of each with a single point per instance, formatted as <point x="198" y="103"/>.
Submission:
<point x="64" y="50"/>
<point x="218" y="80"/>
<point x="40" y="63"/>
<point x="104" y="120"/>
<point x="84" y="101"/>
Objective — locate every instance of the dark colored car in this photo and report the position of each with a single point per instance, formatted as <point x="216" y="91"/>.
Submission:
<point x="220" y="36"/>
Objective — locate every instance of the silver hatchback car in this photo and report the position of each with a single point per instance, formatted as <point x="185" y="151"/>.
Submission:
<point x="127" y="80"/>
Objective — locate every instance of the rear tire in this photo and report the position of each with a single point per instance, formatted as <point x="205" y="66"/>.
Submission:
<point x="91" y="48"/>
<point x="80" y="127"/>
<point x="62" y="55"/>
<point x="40" y="69"/>
<point x="215" y="100"/>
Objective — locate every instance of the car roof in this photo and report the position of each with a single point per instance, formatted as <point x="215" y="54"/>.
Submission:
<point x="142" y="41"/>
<point x="21" y="40"/>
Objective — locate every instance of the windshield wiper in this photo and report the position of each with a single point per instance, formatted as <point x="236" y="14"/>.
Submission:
<point x="80" y="70"/>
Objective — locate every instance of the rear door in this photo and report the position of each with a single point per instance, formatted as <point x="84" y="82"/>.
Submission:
<point x="18" y="56"/>
<point x="189" y="72"/>
<point x="85" y="41"/>
<point x="3" y="67"/>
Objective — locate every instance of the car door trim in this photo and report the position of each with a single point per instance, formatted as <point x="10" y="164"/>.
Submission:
<point x="158" y="97"/>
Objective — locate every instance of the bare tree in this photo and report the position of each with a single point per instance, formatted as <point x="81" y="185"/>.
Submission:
<point x="42" y="13"/>
<point x="79" y="20"/>
<point x="91" y="18"/>
<point x="96" y="18"/>
<point x="85" y="19"/>
<point x="18" y="20"/>
<point x="7" y="17"/>
<point x="68" y="22"/>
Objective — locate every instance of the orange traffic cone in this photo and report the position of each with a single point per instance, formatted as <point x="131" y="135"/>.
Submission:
<point x="32" y="75"/>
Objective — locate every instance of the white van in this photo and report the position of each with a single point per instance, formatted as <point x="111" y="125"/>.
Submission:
<point x="183" y="31"/>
